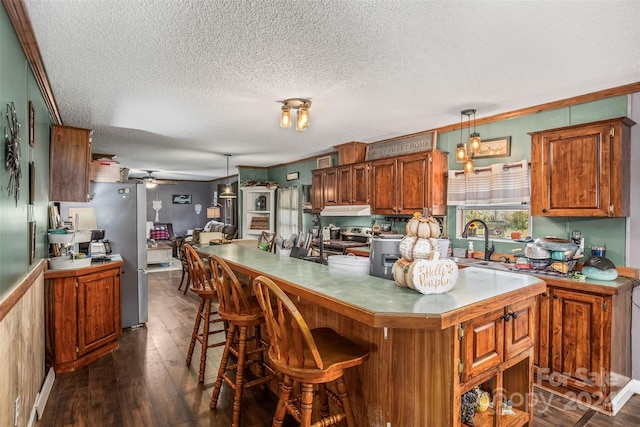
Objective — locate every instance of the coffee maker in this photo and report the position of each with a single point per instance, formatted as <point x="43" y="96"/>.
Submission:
<point x="98" y="248"/>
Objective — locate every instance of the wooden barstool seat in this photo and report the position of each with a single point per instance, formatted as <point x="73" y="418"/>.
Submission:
<point x="206" y="316"/>
<point x="306" y="356"/>
<point x="244" y="317"/>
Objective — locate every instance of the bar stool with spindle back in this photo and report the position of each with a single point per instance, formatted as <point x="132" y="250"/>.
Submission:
<point x="201" y="284"/>
<point x="243" y="315"/>
<point x="307" y="356"/>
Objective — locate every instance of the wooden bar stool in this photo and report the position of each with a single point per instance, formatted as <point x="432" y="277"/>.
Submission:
<point x="243" y="315"/>
<point x="201" y="284"/>
<point x="317" y="356"/>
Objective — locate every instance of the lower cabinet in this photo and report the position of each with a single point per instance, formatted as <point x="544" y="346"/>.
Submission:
<point x="496" y="360"/>
<point x="83" y="319"/>
<point x="584" y="343"/>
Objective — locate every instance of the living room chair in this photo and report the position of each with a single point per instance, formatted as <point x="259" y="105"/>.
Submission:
<point x="309" y="357"/>
<point x="244" y="318"/>
<point x="202" y="285"/>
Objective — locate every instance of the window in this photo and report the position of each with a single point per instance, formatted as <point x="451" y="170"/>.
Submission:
<point x="501" y="221"/>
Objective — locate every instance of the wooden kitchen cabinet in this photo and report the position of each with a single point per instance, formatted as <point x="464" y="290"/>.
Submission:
<point x="69" y="163"/>
<point x="584" y="343"/>
<point x="317" y="191"/>
<point x="496" y="354"/>
<point x="82" y="315"/>
<point x="407" y="184"/>
<point x="353" y="184"/>
<point x="330" y="187"/>
<point x="582" y="170"/>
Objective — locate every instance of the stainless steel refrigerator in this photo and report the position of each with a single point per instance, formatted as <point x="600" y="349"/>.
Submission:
<point x="121" y="210"/>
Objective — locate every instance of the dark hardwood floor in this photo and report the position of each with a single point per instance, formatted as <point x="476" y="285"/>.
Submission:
<point x="145" y="381"/>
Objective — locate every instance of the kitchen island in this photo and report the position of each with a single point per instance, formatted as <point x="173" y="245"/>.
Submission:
<point x="426" y="350"/>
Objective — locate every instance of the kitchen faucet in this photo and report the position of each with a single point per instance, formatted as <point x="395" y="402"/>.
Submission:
<point x="488" y="251"/>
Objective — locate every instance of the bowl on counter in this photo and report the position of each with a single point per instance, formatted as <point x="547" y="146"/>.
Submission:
<point x="349" y="262"/>
<point x="66" y="262"/>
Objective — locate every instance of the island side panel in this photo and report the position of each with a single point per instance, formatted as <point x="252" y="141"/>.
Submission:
<point x="408" y="379"/>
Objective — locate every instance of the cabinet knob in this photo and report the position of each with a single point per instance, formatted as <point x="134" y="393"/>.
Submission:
<point x="555" y="296"/>
<point x="514" y="315"/>
<point x="544" y="210"/>
<point x="544" y="294"/>
<point x="506" y="317"/>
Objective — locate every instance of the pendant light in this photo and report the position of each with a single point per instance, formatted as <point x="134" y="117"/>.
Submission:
<point x="474" y="138"/>
<point x="462" y="155"/>
<point x="228" y="191"/>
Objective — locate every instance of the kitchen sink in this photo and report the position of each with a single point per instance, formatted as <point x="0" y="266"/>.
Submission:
<point x="493" y="265"/>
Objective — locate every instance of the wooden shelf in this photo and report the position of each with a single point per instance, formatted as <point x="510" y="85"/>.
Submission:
<point x="487" y="419"/>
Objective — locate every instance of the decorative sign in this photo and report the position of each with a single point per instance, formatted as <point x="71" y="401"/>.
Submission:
<point x="409" y="144"/>
<point x="292" y="176"/>
<point x="182" y="199"/>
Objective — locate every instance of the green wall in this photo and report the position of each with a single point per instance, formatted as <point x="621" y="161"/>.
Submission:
<point x="610" y="231"/>
<point x="18" y="85"/>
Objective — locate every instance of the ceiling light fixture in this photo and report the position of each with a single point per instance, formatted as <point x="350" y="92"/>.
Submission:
<point x="228" y="191"/>
<point x="300" y="104"/>
<point x="462" y="155"/>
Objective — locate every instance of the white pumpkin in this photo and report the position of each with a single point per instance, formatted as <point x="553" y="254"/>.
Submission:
<point x="433" y="276"/>
<point x="412" y="247"/>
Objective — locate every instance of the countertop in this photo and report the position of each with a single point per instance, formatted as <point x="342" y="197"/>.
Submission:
<point x="379" y="302"/>
<point x="116" y="261"/>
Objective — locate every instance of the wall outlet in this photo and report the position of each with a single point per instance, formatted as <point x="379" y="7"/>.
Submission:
<point x="16" y="411"/>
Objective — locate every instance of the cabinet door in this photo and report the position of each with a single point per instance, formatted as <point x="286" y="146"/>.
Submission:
<point x="330" y="178"/>
<point x="344" y="178"/>
<point x="581" y="170"/>
<point x="541" y="354"/>
<point x="383" y="186"/>
<point x="577" y="334"/>
<point x="482" y="344"/>
<point x="412" y="192"/>
<point x="436" y="183"/>
<point x="519" y="327"/>
<point x="69" y="161"/>
<point x="317" y="191"/>
<point x="99" y="320"/>
<point x="360" y="180"/>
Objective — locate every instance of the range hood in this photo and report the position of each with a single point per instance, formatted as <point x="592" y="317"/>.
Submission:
<point x="346" y="210"/>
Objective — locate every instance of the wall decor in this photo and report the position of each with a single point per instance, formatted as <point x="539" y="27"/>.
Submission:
<point x="408" y="144"/>
<point x="32" y="120"/>
<point x="32" y="183"/>
<point x="32" y="241"/>
<point x="293" y="175"/>
<point x="12" y="152"/>
<point x="324" y="162"/>
<point x="181" y="199"/>
<point x="497" y="147"/>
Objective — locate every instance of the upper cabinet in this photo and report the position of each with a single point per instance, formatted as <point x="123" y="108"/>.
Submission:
<point x="582" y="170"/>
<point x="69" y="162"/>
<point x="353" y="184"/>
<point x="407" y="184"/>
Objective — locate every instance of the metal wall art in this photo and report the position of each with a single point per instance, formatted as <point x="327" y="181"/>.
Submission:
<point x="12" y="152"/>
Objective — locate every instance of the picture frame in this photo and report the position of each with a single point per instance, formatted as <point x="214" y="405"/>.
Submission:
<point x="293" y="176"/>
<point x="496" y="147"/>
<point x="181" y="199"/>
<point x="32" y="241"/>
<point x="32" y="121"/>
<point x="32" y="183"/>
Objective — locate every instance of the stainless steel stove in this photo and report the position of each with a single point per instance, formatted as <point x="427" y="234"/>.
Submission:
<point x="351" y="237"/>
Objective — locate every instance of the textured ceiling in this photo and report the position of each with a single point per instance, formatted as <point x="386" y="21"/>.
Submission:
<point x="173" y="85"/>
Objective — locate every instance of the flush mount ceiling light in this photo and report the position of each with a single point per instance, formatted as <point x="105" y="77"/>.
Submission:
<point x="228" y="191"/>
<point x="300" y="104"/>
<point x="462" y="155"/>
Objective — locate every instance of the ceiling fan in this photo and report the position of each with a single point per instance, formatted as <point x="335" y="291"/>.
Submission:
<point x="151" y="181"/>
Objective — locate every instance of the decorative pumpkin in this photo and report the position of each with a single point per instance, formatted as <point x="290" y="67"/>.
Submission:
<point x="433" y="276"/>
<point x="412" y="247"/>
<point x="423" y="227"/>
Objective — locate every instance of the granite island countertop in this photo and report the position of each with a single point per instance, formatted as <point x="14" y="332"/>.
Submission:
<point x="379" y="302"/>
